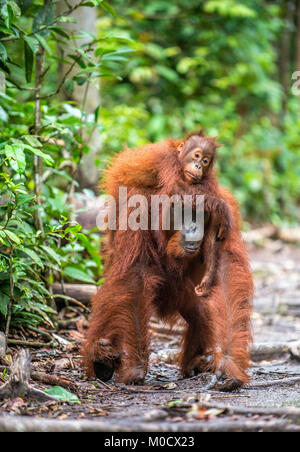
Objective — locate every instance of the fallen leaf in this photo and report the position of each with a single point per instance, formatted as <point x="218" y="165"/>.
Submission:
<point x="76" y="335"/>
<point x="17" y="403"/>
<point x="198" y="412"/>
<point x="171" y="385"/>
<point x="63" y="363"/>
<point x="62" y="394"/>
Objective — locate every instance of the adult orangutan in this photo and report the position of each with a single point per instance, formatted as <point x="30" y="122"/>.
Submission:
<point x="162" y="271"/>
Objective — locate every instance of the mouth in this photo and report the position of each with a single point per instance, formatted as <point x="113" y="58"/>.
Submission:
<point x="192" y="176"/>
<point x="191" y="248"/>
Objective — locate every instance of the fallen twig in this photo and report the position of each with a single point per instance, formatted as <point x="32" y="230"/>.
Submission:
<point x="291" y="413"/>
<point x="284" y="381"/>
<point x="25" y="424"/>
<point x="81" y="292"/>
<point x="29" y="343"/>
<point x="165" y="330"/>
<point x="68" y="323"/>
<point x="105" y="385"/>
<point x="52" y="380"/>
<point x="71" y="300"/>
<point x="39" y="331"/>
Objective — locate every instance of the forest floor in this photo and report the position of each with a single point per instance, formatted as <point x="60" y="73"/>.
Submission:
<point x="166" y="402"/>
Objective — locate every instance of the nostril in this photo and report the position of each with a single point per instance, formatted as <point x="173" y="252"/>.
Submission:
<point x="192" y="232"/>
<point x="189" y="231"/>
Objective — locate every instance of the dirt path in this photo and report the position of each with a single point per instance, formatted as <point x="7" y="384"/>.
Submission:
<point x="168" y="403"/>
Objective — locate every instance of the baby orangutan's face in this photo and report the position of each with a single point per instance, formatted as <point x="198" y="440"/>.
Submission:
<point x="197" y="156"/>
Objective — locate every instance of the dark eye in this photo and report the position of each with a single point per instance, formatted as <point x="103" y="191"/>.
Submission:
<point x="197" y="155"/>
<point x="205" y="161"/>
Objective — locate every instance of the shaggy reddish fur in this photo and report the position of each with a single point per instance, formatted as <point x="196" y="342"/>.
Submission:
<point x="146" y="272"/>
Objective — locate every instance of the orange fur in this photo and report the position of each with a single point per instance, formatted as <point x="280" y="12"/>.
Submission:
<point x="147" y="272"/>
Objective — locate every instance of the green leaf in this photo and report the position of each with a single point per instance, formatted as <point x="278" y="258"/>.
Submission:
<point x="3" y="239"/>
<point x="44" y="16"/>
<point x="119" y="52"/>
<point x="3" y="115"/>
<point x="4" y="67"/>
<point x="94" y="253"/>
<point x="167" y="73"/>
<point x="12" y="236"/>
<point x="32" y="141"/>
<point x="13" y="9"/>
<point x="69" y="85"/>
<point x="107" y="7"/>
<point x="5" y="14"/>
<point x="3" y="53"/>
<point x="175" y="402"/>
<point x="229" y="8"/>
<point x="34" y="256"/>
<point x="77" y="274"/>
<point x="62" y="394"/>
<point x="24" y="5"/>
<point x="80" y="80"/>
<point x="29" y="58"/>
<point x="51" y="253"/>
<point x="4" y="300"/>
<point x="24" y="199"/>
<point x="48" y="159"/>
<point x="96" y="113"/>
<point x="43" y="43"/>
<point x="60" y="32"/>
<point x="16" y="157"/>
<point x="91" y="3"/>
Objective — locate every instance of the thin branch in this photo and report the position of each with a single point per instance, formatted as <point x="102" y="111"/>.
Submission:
<point x="61" y="83"/>
<point x="11" y="298"/>
<point x="38" y="162"/>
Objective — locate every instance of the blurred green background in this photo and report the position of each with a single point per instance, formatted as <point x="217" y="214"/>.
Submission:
<point x="223" y="65"/>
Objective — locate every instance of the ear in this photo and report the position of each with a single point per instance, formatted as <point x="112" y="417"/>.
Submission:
<point x="180" y="148"/>
<point x="217" y="145"/>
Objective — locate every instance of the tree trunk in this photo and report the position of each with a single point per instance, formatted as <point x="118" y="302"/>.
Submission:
<point x="285" y="54"/>
<point x="2" y="82"/>
<point x="87" y="97"/>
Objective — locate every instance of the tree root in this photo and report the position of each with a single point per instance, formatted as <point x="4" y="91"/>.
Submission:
<point x="18" y="383"/>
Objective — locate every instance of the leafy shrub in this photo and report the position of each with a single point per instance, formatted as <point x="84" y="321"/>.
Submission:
<point x="42" y="142"/>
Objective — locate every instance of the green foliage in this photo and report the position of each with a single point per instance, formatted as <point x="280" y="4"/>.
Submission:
<point x="42" y="142"/>
<point x="213" y="64"/>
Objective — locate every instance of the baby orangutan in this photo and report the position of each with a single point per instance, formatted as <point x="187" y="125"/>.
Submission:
<point x="197" y="155"/>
